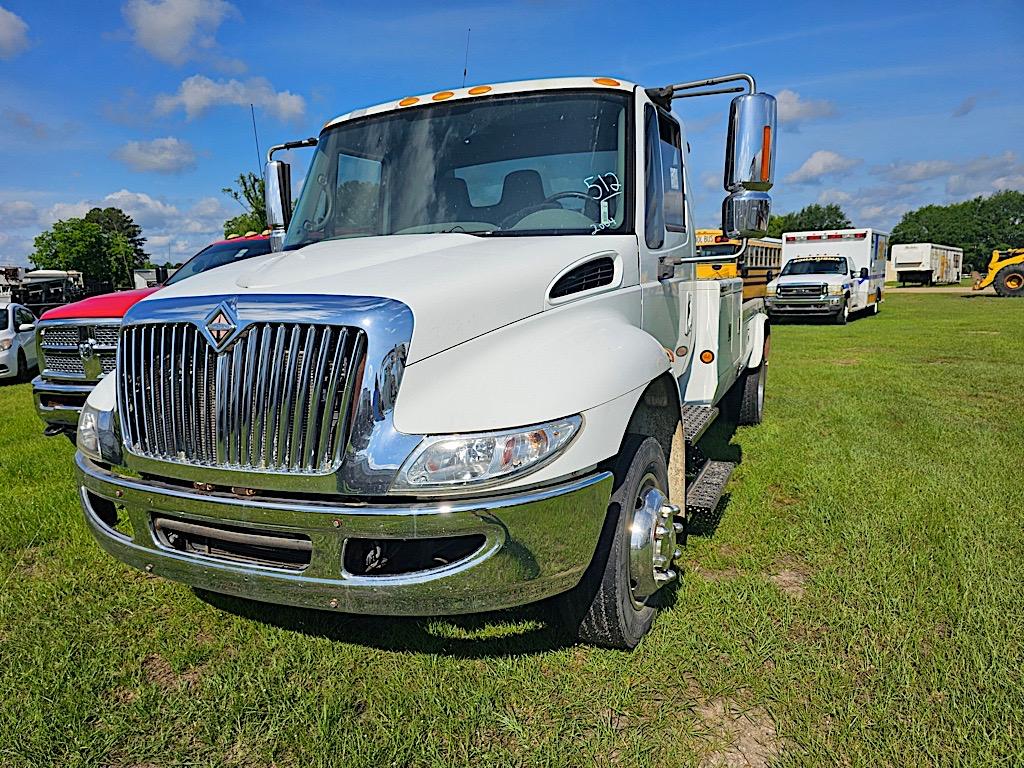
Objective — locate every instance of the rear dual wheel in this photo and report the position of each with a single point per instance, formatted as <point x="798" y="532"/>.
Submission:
<point x="617" y="600"/>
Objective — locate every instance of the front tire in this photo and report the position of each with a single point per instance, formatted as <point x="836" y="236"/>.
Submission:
<point x="1010" y="281"/>
<point x="22" y="366"/>
<point x="752" y="397"/>
<point x="611" y="606"/>
<point x="843" y="315"/>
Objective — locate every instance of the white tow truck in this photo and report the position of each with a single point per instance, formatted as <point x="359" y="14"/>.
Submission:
<point x="460" y="379"/>
<point x="830" y="273"/>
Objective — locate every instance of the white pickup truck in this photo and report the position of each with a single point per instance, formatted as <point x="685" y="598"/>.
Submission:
<point x="458" y="382"/>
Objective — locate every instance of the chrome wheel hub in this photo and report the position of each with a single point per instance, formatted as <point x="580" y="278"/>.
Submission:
<point x="652" y="541"/>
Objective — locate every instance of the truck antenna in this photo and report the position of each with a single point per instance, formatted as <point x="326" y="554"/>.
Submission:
<point x="259" y="155"/>
<point x="465" y="64"/>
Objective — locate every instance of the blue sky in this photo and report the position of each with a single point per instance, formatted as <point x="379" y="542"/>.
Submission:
<point x="144" y="104"/>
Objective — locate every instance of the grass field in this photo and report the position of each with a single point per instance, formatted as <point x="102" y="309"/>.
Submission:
<point x="859" y="603"/>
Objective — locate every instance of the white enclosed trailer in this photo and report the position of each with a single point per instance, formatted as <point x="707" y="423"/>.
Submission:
<point x="927" y="263"/>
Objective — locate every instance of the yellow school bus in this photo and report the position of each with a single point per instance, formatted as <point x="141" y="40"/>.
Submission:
<point x="763" y="256"/>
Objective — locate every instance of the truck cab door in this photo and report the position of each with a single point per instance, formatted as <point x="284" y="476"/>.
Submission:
<point x="663" y="233"/>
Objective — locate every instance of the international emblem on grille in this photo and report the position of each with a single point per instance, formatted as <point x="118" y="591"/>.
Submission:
<point x="221" y="325"/>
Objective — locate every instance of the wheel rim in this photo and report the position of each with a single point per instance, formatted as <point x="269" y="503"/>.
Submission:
<point x="1014" y="282"/>
<point x="652" y="541"/>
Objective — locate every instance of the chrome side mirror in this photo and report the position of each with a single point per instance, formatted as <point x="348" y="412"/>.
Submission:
<point x="750" y="147"/>
<point x="745" y="214"/>
<point x="278" y="196"/>
<point x="26" y="327"/>
<point x="749" y="165"/>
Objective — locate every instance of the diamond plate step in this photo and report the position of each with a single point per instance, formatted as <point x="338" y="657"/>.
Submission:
<point x="706" y="489"/>
<point x="696" y="420"/>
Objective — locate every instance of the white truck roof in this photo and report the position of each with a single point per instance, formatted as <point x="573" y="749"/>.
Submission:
<point x="469" y="92"/>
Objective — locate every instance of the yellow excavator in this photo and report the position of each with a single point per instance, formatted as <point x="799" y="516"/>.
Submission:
<point x="1005" y="272"/>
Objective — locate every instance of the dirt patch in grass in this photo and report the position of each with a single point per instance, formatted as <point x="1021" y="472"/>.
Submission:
<point x="848" y="361"/>
<point x="751" y="737"/>
<point x="722" y="574"/>
<point x="159" y="672"/>
<point x="790" y="576"/>
<point x="782" y="497"/>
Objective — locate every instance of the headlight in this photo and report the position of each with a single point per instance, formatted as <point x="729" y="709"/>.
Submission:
<point x="88" y="438"/>
<point x="96" y="437"/>
<point x="5" y="344"/>
<point x="836" y="290"/>
<point x="459" y="460"/>
<point x="771" y="290"/>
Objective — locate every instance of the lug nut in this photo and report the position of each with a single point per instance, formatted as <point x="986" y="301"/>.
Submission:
<point x="660" y="561"/>
<point x="677" y="553"/>
<point x="661" y="532"/>
<point x="678" y="527"/>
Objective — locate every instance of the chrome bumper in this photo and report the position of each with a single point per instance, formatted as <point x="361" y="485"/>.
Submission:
<point x="534" y="545"/>
<point x="59" y="404"/>
<point x="814" y="305"/>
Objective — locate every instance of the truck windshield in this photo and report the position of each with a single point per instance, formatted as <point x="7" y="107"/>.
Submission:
<point x="815" y="267"/>
<point x="549" y="163"/>
<point x="219" y="254"/>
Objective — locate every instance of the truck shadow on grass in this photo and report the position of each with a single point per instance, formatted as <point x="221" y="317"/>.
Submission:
<point x="528" y="630"/>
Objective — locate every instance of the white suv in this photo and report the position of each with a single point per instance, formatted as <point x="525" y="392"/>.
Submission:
<point x="17" y="341"/>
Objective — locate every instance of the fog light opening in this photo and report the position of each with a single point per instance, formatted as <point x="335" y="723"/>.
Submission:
<point x="394" y="557"/>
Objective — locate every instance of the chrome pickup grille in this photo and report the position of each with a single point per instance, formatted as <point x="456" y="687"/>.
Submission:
<point x="802" y="291"/>
<point x="78" y="350"/>
<point x="277" y="400"/>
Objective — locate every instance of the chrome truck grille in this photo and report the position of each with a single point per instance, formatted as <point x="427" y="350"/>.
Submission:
<point x="77" y="350"/>
<point x="802" y="291"/>
<point x="278" y="399"/>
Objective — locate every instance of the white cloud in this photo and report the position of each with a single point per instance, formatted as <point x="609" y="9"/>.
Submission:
<point x="984" y="175"/>
<point x="13" y="34"/>
<point x="820" y="164"/>
<point x="147" y="211"/>
<point x="794" y="110"/>
<point x="166" y="155"/>
<point x="60" y="211"/>
<point x="920" y="170"/>
<point x="18" y="213"/>
<point x="198" y="93"/>
<point x="176" y="30"/>
<point x="980" y="175"/>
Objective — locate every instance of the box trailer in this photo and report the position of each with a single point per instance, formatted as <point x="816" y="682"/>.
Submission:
<point x="927" y="263"/>
<point x="829" y="273"/>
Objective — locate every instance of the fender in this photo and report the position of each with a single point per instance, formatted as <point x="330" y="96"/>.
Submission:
<point x="560" y="362"/>
<point x="758" y="330"/>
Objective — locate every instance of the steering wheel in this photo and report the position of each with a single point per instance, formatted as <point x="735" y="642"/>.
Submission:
<point x="549" y="202"/>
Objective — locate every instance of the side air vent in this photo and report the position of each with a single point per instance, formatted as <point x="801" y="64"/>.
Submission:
<point x="593" y="274"/>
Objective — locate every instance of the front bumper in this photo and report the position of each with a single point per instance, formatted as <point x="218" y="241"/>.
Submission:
<point x="8" y="362"/>
<point x="815" y="305"/>
<point x="59" y="404"/>
<point x="533" y="545"/>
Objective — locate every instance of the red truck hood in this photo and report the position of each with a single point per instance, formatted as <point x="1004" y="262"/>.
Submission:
<point x="107" y="305"/>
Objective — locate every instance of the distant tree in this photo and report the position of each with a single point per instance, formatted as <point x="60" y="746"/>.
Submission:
<point x="810" y="217"/>
<point x="116" y="221"/>
<point x="77" y="244"/>
<point x="249" y="195"/>
<point x="978" y="226"/>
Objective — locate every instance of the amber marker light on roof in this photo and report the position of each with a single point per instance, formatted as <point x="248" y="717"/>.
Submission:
<point x="408" y="101"/>
<point x="442" y="95"/>
<point x="606" y="81"/>
<point x="707" y="356"/>
<point x="477" y="90"/>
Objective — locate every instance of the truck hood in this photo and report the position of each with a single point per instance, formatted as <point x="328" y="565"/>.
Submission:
<point x="811" y="280"/>
<point x="458" y="286"/>
<point x="107" y="305"/>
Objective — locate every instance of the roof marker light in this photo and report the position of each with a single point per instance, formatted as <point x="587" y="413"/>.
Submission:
<point x="476" y="90"/>
<point x="606" y="81"/>
<point x="408" y="101"/>
<point x="442" y="95"/>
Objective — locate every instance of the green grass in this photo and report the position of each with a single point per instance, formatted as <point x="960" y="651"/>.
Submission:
<point x="884" y="493"/>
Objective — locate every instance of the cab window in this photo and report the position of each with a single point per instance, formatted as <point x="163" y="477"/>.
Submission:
<point x="672" y="173"/>
<point x="654" y="225"/>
